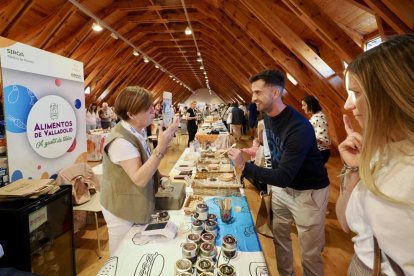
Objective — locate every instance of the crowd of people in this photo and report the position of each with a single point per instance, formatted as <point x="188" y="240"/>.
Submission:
<point x="376" y="194"/>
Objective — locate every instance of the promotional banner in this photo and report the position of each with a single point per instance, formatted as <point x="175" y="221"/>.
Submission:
<point x="167" y="110"/>
<point x="44" y="110"/>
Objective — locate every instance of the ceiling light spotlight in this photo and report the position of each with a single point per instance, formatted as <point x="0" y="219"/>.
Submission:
<point x="188" y="31"/>
<point x="170" y="76"/>
<point x="157" y="66"/>
<point x="135" y="53"/>
<point x="205" y="73"/>
<point x="114" y="36"/>
<point x="96" y="27"/>
<point x="173" y="79"/>
<point x="201" y="67"/>
<point x="198" y="54"/>
<point x="199" y="59"/>
<point x="146" y="60"/>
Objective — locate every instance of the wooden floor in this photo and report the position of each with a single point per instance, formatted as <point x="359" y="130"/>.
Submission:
<point x="338" y="248"/>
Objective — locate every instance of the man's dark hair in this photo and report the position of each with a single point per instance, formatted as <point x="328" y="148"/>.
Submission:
<point x="270" y="77"/>
<point x="313" y="104"/>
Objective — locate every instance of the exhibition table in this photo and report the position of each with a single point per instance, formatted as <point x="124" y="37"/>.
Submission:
<point x="140" y="255"/>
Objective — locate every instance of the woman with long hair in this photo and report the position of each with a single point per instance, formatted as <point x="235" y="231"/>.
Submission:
<point x="377" y="192"/>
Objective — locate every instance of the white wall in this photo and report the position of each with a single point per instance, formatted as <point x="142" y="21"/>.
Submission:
<point x="203" y="96"/>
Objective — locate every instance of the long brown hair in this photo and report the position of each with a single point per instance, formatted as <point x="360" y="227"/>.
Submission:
<point x="386" y="76"/>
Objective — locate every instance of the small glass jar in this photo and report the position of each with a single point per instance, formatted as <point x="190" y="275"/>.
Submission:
<point x="208" y="238"/>
<point x="204" y="265"/>
<point x="212" y="217"/>
<point x="195" y="238"/>
<point x="189" y="251"/>
<point x="183" y="266"/>
<point x="229" y="246"/>
<point x="163" y="216"/>
<point x="206" y="274"/>
<point x="208" y="251"/>
<point x="226" y="270"/>
<point x="184" y="274"/>
<point x="194" y="216"/>
<point x="197" y="227"/>
<point x="202" y="210"/>
<point x="211" y="227"/>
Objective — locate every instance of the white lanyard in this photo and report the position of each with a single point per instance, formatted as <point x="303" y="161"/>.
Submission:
<point x="140" y="135"/>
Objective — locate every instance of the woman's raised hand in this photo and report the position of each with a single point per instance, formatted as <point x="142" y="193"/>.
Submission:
<point x="350" y="148"/>
<point x="165" y="136"/>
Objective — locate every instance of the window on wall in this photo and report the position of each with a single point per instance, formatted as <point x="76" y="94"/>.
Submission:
<point x="372" y="43"/>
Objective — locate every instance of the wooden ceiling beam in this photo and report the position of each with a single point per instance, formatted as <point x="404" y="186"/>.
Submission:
<point x="13" y="14"/>
<point x="264" y="11"/>
<point x="389" y="17"/>
<point x="361" y="4"/>
<point x="325" y="28"/>
<point x="56" y="22"/>
<point x="404" y="9"/>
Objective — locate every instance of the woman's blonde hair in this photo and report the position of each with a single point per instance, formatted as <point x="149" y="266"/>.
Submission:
<point x="132" y="99"/>
<point x="386" y="76"/>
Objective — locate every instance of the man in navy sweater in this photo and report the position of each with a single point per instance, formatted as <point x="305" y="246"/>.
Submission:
<point x="298" y="177"/>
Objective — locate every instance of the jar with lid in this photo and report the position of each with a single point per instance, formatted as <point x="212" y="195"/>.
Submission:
<point x="208" y="238"/>
<point x="210" y="226"/>
<point x="163" y="216"/>
<point x="226" y="270"/>
<point x="229" y="246"/>
<point x="212" y="217"/>
<point x="183" y="266"/>
<point x="202" y="210"/>
<point x="189" y="251"/>
<point x="197" y="227"/>
<point x="204" y="265"/>
<point x="208" y="251"/>
<point x="195" y="238"/>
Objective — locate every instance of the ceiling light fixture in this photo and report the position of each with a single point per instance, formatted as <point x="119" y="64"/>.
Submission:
<point x="146" y="60"/>
<point x="199" y="60"/>
<point x="114" y="34"/>
<point x="188" y="31"/>
<point x="96" y="27"/>
<point x="201" y="67"/>
<point x="135" y="53"/>
<point x="157" y="66"/>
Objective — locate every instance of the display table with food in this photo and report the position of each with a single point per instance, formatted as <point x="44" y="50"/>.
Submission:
<point x="215" y="135"/>
<point x="212" y="233"/>
<point x="217" y="236"/>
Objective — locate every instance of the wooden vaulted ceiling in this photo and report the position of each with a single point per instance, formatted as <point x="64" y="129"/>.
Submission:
<point x="309" y="39"/>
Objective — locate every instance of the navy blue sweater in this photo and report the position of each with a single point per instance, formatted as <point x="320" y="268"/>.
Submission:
<point x="296" y="160"/>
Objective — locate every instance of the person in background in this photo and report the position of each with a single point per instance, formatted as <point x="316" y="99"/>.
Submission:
<point x="106" y="115"/>
<point x="300" y="184"/>
<point x="376" y="198"/>
<point x="158" y="110"/>
<point x="252" y="114"/>
<point x="244" y="123"/>
<point x="130" y="169"/>
<point x="236" y="121"/>
<point x="311" y="106"/>
<point x="227" y="111"/>
<point x="91" y="114"/>
<point x="191" y="118"/>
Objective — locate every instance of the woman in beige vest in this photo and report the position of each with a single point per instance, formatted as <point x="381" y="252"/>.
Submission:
<point x="130" y="169"/>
